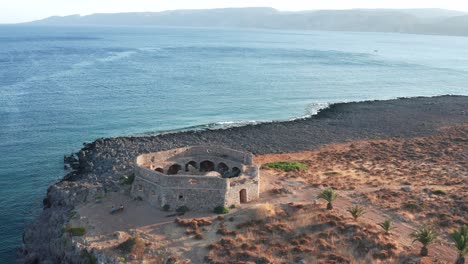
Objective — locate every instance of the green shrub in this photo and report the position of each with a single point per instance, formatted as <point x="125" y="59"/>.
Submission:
<point x="439" y="192"/>
<point x="287" y="166"/>
<point x="426" y="236"/>
<point x="182" y="209"/>
<point x="128" y="180"/>
<point x="98" y="197"/>
<point x="166" y="208"/>
<point x="387" y="225"/>
<point x="221" y="210"/>
<point x="460" y="237"/>
<point x="132" y="245"/>
<point x="75" y="231"/>
<point x="329" y="195"/>
<point x="357" y="211"/>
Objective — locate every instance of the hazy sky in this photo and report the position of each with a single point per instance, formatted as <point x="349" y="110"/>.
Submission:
<point x="12" y="11"/>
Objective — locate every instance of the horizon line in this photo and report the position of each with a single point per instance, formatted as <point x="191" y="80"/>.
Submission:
<point x="247" y="7"/>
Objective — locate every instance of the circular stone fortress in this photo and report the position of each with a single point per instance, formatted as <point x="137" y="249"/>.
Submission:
<point x="199" y="177"/>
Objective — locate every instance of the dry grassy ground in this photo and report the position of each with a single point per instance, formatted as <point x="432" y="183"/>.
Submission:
<point x="399" y="179"/>
<point x="398" y="175"/>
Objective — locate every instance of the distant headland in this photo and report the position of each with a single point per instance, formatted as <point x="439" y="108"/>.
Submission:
<point x="412" y="21"/>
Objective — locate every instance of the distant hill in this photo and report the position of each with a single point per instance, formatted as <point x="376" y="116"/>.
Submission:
<point x="417" y="21"/>
<point x="430" y="13"/>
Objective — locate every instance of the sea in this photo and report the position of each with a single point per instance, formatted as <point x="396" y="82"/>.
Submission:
<point x="63" y="86"/>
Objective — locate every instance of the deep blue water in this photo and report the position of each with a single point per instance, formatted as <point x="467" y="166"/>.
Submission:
<point x="60" y="87"/>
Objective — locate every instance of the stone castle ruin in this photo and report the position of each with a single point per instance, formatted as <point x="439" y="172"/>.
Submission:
<point x="199" y="177"/>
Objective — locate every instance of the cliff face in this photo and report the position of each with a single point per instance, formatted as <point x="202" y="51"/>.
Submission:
<point x="103" y="162"/>
<point x="44" y="241"/>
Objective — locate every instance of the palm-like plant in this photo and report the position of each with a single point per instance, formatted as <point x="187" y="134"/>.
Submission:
<point x="387" y="225"/>
<point x="329" y="195"/>
<point x="356" y="211"/>
<point x="426" y="236"/>
<point x="460" y="237"/>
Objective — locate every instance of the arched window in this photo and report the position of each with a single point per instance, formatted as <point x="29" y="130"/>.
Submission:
<point x="222" y="168"/>
<point x="206" y="166"/>
<point x="191" y="164"/>
<point x="236" y="172"/>
<point x="174" y="169"/>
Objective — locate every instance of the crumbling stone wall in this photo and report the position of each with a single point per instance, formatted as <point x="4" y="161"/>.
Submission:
<point x="249" y="183"/>
<point x="183" y="156"/>
<point x="197" y="192"/>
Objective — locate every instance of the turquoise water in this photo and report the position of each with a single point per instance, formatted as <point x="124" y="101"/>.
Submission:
<point x="60" y="87"/>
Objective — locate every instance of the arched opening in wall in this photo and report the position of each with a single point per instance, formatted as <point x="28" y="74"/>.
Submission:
<point x="236" y="172"/>
<point x="174" y="169"/>
<point x="243" y="196"/>
<point x="222" y="168"/>
<point x="191" y="166"/>
<point x="206" y="166"/>
<point x="159" y="170"/>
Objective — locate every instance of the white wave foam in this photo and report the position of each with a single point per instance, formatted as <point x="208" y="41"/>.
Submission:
<point x="311" y="110"/>
<point x="227" y="124"/>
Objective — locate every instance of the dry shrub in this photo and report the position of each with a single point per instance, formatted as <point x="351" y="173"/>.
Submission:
<point x="194" y="226"/>
<point x="193" y="223"/>
<point x="262" y="211"/>
<point x="224" y="231"/>
<point x="133" y="245"/>
<point x="250" y="223"/>
<point x="198" y="235"/>
<point x="277" y="227"/>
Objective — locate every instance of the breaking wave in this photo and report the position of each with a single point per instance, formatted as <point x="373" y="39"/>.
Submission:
<point x="310" y="110"/>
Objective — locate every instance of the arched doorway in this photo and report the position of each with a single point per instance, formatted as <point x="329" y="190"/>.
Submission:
<point x="222" y="168"/>
<point x="206" y="166"/>
<point x="174" y="169"/>
<point x="159" y="170"/>
<point x="191" y="164"/>
<point x="243" y="196"/>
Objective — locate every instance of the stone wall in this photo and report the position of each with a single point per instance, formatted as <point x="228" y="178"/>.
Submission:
<point x="233" y="195"/>
<point x="250" y="183"/>
<point x="197" y="192"/>
<point x="182" y="156"/>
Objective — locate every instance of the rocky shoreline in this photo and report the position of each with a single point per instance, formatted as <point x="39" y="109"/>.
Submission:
<point x="99" y="165"/>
